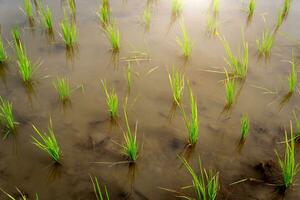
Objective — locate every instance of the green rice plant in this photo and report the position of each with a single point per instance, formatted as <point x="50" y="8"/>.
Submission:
<point x="185" y="42"/>
<point x="265" y="44"/>
<point x="113" y="35"/>
<point x="72" y="6"/>
<point x="7" y="117"/>
<point x="297" y="124"/>
<point x="98" y="191"/>
<point x="104" y="12"/>
<point x="25" y="67"/>
<point x="251" y="7"/>
<point x="63" y="88"/>
<point x="28" y="8"/>
<point x="293" y="76"/>
<point x="69" y="32"/>
<point x="47" y="19"/>
<point x="244" y="127"/>
<point x="130" y="146"/>
<point x="216" y="6"/>
<point x="192" y="123"/>
<point x="176" y="80"/>
<point x="176" y="6"/>
<point x="286" y="7"/>
<point x="129" y="76"/>
<point x="111" y="100"/>
<point x="206" y="185"/>
<point x="288" y="164"/>
<point x="229" y="90"/>
<point x="147" y="16"/>
<point x="239" y="64"/>
<point x="212" y="25"/>
<point x="21" y="196"/>
<point x="3" y="55"/>
<point x="16" y="34"/>
<point x="47" y="142"/>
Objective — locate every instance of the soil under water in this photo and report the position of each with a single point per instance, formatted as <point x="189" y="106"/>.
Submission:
<point x="87" y="135"/>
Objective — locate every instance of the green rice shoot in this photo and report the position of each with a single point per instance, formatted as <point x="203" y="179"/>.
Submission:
<point x="3" y="55"/>
<point x="184" y="42"/>
<point x="176" y="6"/>
<point x="113" y="35"/>
<point x="297" y="125"/>
<point x="288" y="165"/>
<point x="28" y="8"/>
<point x="265" y="44"/>
<point x="47" y="19"/>
<point x="63" y="88"/>
<point x="104" y="12"/>
<point x="6" y="117"/>
<point x="25" y="66"/>
<point x="129" y="76"/>
<point x="97" y="190"/>
<point x="176" y="80"/>
<point x="16" y="35"/>
<point x="293" y="76"/>
<point x="21" y="196"/>
<point x="286" y="7"/>
<point x="72" y="6"/>
<point x="111" y="100"/>
<point x="216" y="6"/>
<point x="244" y="127"/>
<point x="251" y="7"/>
<point x="47" y="142"/>
<point x="229" y="90"/>
<point x="69" y="32"/>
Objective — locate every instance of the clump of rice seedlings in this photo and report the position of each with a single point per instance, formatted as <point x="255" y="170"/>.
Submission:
<point x="297" y="125"/>
<point x="28" y="8"/>
<point x="25" y="67"/>
<point x="229" y="90"/>
<point x="212" y="25"/>
<point x="251" y="7"/>
<point x="47" y="142"/>
<point x="239" y="65"/>
<point x="130" y="146"/>
<point x="176" y="6"/>
<point x="3" y="55"/>
<point x="147" y="16"/>
<point x="206" y="185"/>
<point x="288" y="164"/>
<point x="216" y="6"/>
<point x="69" y="32"/>
<point x="265" y="44"/>
<point x="244" y="127"/>
<point x="111" y="100"/>
<point x="97" y="189"/>
<point x="176" y="80"/>
<point x="293" y="76"/>
<point x="192" y="123"/>
<point x="47" y="19"/>
<point x="185" y="42"/>
<point x="286" y="7"/>
<point x="113" y="35"/>
<point x="63" y="88"/>
<point x="72" y="6"/>
<point x="16" y="35"/>
<point x="7" y="117"/>
<point x="104" y="12"/>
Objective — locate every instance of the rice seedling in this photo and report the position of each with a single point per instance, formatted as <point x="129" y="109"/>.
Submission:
<point x="293" y="76"/>
<point x="7" y="117"/>
<point x="25" y="67"/>
<point x="216" y="6"/>
<point x="130" y="146"/>
<point x="176" y="6"/>
<point x="229" y="90"/>
<point x="97" y="189"/>
<point x="251" y="7"/>
<point x="16" y="35"/>
<point x="28" y="8"/>
<point x="286" y="7"/>
<point x="3" y="55"/>
<point x="111" y="100"/>
<point x="47" y="19"/>
<point x="129" y="76"/>
<point x="113" y="35"/>
<point x="72" y="6"/>
<point x="69" y="32"/>
<point x="206" y="184"/>
<point x="176" y="80"/>
<point x="244" y="127"/>
<point x="147" y="16"/>
<point x="21" y="196"/>
<point x="185" y="42"/>
<point x="239" y="64"/>
<point x="47" y="142"/>
<point x="212" y="25"/>
<point x="289" y="166"/>
<point x="63" y="88"/>
<point x="265" y="44"/>
<point x="104" y="12"/>
<point x="192" y="123"/>
<point x="297" y="125"/>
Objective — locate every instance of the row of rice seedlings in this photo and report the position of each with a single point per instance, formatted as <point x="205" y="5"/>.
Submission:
<point x="192" y="123"/>
<point x="293" y="76"/>
<point x="63" y="88"/>
<point x="113" y="35"/>
<point x="3" y="55"/>
<point x="251" y="7"/>
<point x="216" y="6"/>
<point x="47" y="19"/>
<point x="130" y="145"/>
<point x="104" y="12"/>
<point x="111" y="100"/>
<point x="176" y="80"/>
<point x="6" y="117"/>
<point x="288" y="164"/>
<point x="176" y="6"/>
<point x="244" y="127"/>
<point x="206" y="185"/>
<point x="184" y="42"/>
<point x="239" y="65"/>
<point x="69" y="32"/>
<point x="265" y="44"/>
<point x="147" y="16"/>
<point x="28" y="8"/>
<point x="97" y="189"/>
<point x="21" y="196"/>
<point x="47" y="142"/>
<point x="16" y="35"/>
<point x="26" y="69"/>
<point x="212" y="25"/>
<point x="229" y="90"/>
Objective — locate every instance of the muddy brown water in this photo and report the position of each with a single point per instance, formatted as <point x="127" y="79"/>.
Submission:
<point x="86" y="134"/>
